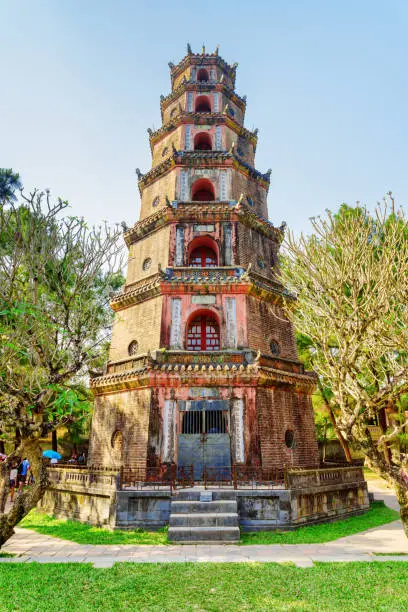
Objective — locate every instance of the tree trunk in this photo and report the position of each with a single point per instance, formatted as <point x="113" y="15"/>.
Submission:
<point x="401" y="491"/>
<point x="382" y="421"/>
<point x="340" y="437"/>
<point x="54" y="440"/>
<point x="24" y="501"/>
<point x="17" y="441"/>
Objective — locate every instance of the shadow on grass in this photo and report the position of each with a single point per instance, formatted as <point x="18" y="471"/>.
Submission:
<point x="378" y="514"/>
<point x="82" y="533"/>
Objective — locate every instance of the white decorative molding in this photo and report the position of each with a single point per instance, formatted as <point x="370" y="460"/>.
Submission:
<point x="238" y="430"/>
<point x="179" y="257"/>
<point x="183" y="195"/>
<point x="231" y="322"/>
<point x="218" y="138"/>
<point x="175" y="331"/>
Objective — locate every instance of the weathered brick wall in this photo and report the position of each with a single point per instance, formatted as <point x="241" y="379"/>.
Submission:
<point x="238" y="115"/>
<point x="253" y="247"/>
<point x="166" y="185"/>
<point x="140" y="322"/>
<point x="251" y="188"/>
<point x="243" y="147"/>
<point x="156" y="247"/>
<point x="279" y="410"/>
<point x="267" y="322"/>
<point x="176" y="138"/>
<point x="126" y="412"/>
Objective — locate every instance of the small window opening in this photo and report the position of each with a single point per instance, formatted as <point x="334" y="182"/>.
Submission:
<point x="203" y="334"/>
<point x="202" y="142"/>
<point x="202" y="75"/>
<point x="133" y="348"/>
<point x="203" y="191"/>
<point x="289" y="438"/>
<point x="202" y="105"/>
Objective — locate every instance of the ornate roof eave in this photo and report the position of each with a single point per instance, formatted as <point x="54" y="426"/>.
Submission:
<point x="202" y="158"/>
<point x="197" y="59"/>
<point x="166" y="101"/>
<point x="195" y="212"/>
<point x="155" y="375"/>
<point x="205" y="281"/>
<point x="184" y="117"/>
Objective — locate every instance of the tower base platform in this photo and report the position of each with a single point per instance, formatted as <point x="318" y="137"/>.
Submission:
<point x="209" y="511"/>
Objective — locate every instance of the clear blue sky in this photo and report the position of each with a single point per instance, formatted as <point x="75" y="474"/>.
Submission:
<point x="326" y="83"/>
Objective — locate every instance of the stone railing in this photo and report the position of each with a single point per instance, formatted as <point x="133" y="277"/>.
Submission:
<point x="297" y="478"/>
<point x="82" y="477"/>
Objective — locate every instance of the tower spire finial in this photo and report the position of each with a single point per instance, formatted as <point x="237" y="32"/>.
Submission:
<point x="203" y="49"/>
<point x="189" y="49"/>
<point x="217" y="48"/>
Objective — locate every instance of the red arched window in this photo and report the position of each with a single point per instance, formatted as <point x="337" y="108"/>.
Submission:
<point x="203" y="191"/>
<point x="203" y="257"/>
<point x="202" y="75"/>
<point x="203" y="334"/>
<point x="202" y="142"/>
<point x="202" y="105"/>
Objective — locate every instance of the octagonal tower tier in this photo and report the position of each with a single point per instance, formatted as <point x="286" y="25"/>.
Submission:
<point x="203" y="365"/>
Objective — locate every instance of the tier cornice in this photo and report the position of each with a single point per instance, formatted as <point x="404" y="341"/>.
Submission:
<point x="166" y="101"/>
<point x="203" y="159"/>
<point x="184" y="117"/>
<point x="153" y="374"/>
<point x="195" y="212"/>
<point x="198" y="59"/>
<point x="201" y="281"/>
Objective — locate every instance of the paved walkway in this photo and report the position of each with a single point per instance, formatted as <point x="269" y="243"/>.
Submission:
<point x="388" y="539"/>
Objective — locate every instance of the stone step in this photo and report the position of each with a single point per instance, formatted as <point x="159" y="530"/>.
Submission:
<point x="194" y="495"/>
<point x="206" y="519"/>
<point x="186" y="507"/>
<point x="204" y="534"/>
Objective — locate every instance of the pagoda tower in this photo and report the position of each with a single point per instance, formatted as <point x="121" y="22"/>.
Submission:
<point x="203" y="367"/>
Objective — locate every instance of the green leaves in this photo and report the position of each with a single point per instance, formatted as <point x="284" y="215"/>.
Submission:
<point x="56" y="274"/>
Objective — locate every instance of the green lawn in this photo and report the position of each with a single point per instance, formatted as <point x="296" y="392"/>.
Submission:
<point x="85" y="534"/>
<point x="204" y="587"/>
<point x="379" y="514"/>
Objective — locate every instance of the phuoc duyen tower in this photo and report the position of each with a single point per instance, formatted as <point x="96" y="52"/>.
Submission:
<point x="203" y="368"/>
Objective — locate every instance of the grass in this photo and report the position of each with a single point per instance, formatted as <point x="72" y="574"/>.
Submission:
<point x="377" y="515"/>
<point x="204" y="587"/>
<point x="81" y="533"/>
<point x="6" y="554"/>
<point x="390" y="554"/>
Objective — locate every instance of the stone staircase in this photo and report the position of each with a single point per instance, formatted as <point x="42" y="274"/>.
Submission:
<point x="208" y="517"/>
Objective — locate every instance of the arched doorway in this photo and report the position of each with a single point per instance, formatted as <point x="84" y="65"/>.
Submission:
<point x="203" y="333"/>
<point x="202" y="105"/>
<point x="202" y="142"/>
<point x="203" y="191"/>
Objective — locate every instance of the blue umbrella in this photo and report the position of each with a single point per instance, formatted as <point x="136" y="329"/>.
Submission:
<point x="50" y="454"/>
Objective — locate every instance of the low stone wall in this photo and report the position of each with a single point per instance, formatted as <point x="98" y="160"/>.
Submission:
<point x="148" y="509"/>
<point x="86" y="495"/>
<point x="328" y="494"/>
<point x="310" y="496"/>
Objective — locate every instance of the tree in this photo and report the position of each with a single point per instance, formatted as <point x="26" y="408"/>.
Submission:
<point x="351" y="280"/>
<point x="55" y="278"/>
